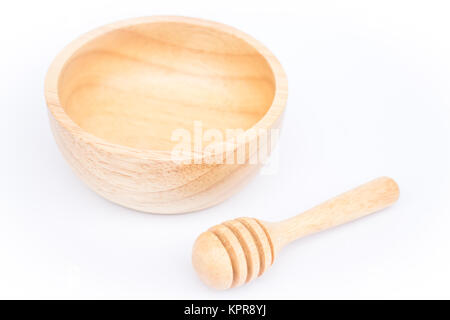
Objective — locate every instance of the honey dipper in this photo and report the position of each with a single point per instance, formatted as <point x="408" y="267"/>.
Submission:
<point x="237" y="251"/>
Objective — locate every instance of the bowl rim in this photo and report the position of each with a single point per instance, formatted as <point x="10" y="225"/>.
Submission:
<point x="55" y="108"/>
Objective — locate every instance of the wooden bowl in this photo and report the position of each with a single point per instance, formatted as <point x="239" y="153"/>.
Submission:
<point x="121" y="95"/>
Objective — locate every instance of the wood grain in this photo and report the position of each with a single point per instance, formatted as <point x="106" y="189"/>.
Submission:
<point x="225" y="255"/>
<point x="116" y="95"/>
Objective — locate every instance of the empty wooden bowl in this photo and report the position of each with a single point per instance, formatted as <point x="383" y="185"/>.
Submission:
<point x="121" y="96"/>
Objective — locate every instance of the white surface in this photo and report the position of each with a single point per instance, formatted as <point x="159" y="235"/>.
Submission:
<point x="369" y="96"/>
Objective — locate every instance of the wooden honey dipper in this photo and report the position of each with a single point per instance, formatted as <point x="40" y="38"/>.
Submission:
<point x="237" y="251"/>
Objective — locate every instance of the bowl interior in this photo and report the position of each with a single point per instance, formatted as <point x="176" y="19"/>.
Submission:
<point x="136" y="85"/>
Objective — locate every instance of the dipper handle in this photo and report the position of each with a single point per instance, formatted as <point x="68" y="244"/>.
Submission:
<point x="359" y="202"/>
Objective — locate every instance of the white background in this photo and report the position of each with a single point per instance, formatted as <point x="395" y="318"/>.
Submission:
<point x="369" y="95"/>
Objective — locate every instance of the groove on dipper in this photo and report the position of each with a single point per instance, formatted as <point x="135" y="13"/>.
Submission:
<point x="272" y="251"/>
<point x="259" y="245"/>
<point x="244" y="246"/>
<point x="231" y="254"/>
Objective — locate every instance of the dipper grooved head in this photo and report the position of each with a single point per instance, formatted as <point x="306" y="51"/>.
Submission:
<point x="232" y="253"/>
